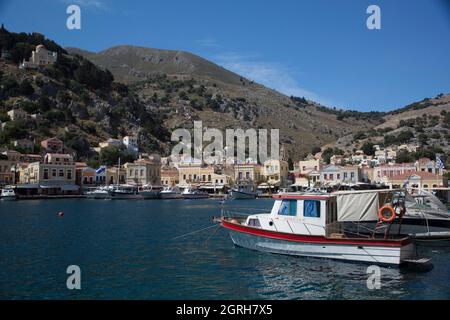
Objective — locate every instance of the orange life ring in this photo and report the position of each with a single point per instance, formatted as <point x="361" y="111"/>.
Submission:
<point x="383" y="217"/>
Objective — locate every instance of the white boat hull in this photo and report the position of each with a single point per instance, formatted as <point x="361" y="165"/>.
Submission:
<point x="370" y="254"/>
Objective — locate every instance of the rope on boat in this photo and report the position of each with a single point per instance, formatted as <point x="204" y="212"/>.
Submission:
<point x="195" y="231"/>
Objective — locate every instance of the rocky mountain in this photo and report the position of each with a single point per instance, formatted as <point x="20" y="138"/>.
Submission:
<point x="87" y="97"/>
<point x="74" y="100"/>
<point x="187" y="87"/>
<point x="425" y="123"/>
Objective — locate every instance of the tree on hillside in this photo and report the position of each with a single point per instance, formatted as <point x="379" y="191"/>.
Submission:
<point x="368" y="149"/>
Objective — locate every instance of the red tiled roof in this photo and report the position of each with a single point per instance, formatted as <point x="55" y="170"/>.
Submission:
<point x="422" y="174"/>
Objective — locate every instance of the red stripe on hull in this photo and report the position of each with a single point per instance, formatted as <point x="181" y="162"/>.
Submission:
<point x="313" y="239"/>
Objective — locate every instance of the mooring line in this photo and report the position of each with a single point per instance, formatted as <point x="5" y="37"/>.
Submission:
<point x="196" y="231"/>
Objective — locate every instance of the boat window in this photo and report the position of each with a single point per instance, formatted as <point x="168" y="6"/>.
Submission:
<point x="288" y="208"/>
<point x="254" y="223"/>
<point x="311" y="208"/>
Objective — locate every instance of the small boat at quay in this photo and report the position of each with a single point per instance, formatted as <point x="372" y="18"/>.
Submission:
<point x="192" y="193"/>
<point x="150" y="192"/>
<point x="243" y="191"/>
<point x="171" y="193"/>
<point x="8" y="194"/>
<point x="124" y="192"/>
<point x="98" y="194"/>
<point x="312" y="225"/>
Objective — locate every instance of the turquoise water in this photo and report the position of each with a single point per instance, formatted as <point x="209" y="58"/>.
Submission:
<point x="126" y="250"/>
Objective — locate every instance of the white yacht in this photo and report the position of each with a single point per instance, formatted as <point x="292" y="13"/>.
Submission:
<point x="171" y="193"/>
<point x="8" y="194"/>
<point x="98" y="193"/>
<point x="192" y="193"/>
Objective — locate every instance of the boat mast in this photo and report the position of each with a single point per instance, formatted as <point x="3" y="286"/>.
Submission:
<point x="118" y="172"/>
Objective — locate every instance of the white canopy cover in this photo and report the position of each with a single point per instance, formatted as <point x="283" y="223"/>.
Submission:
<point x="361" y="205"/>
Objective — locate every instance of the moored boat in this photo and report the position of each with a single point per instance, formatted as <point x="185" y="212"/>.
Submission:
<point x="192" y="193"/>
<point x="311" y="225"/>
<point x="8" y="194"/>
<point x="171" y="193"/>
<point x="98" y="193"/>
<point x="243" y="191"/>
<point x="150" y="192"/>
<point x="124" y="192"/>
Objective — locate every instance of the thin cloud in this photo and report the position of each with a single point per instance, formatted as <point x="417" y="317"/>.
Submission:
<point x="271" y="74"/>
<point x="208" y="42"/>
<point x="98" y="4"/>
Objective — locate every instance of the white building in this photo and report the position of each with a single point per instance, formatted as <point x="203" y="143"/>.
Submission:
<point x="40" y="57"/>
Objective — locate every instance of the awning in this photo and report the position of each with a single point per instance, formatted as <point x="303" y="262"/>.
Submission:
<point x="360" y="206"/>
<point x="70" y="187"/>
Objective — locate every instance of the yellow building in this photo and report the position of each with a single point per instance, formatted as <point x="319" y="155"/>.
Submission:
<point x="169" y="176"/>
<point x="248" y="172"/>
<point x="275" y="172"/>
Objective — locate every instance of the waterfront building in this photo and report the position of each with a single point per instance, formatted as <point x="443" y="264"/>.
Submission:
<point x="55" y="175"/>
<point x="308" y="165"/>
<point x="143" y="172"/>
<point x="169" y="176"/>
<point x="7" y="175"/>
<point x="40" y="57"/>
<point x="248" y="172"/>
<point x="333" y="175"/>
<point x="275" y="172"/>
<point x="427" y="165"/>
<point x="419" y="179"/>
<point x="52" y="145"/>
<point x="85" y="175"/>
<point x="194" y="173"/>
<point x="385" y="171"/>
<point x="115" y="175"/>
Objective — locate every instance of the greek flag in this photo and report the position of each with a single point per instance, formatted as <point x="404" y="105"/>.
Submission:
<point x="439" y="163"/>
<point x="101" y="170"/>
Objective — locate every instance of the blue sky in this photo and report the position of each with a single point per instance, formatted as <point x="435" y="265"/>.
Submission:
<point x="319" y="49"/>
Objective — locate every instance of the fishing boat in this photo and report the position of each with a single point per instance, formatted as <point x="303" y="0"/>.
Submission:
<point x="171" y="193"/>
<point x="243" y="191"/>
<point x="192" y="193"/>
<point x="98" y="193"/>
<point x="150" y="192"/>
<point x="311" y="225"/>
<point x="124" y="192"/>
<point x="8" y="194"/>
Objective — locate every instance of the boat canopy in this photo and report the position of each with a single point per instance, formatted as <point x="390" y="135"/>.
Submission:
<point x="361" y="205"/>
